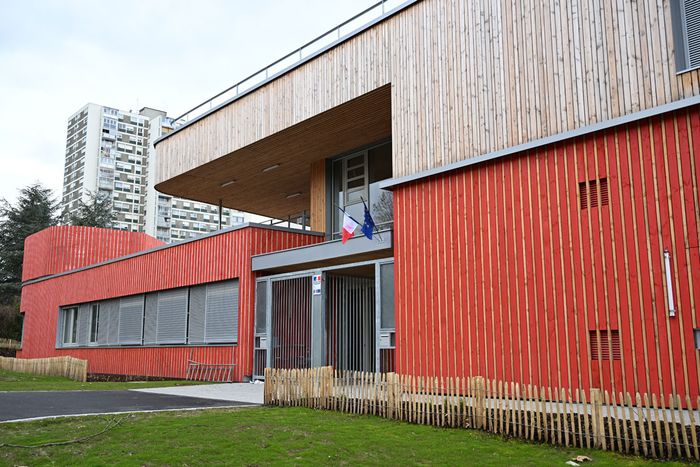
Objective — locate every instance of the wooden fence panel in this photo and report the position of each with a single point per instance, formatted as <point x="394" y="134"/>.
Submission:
<point x="643" y="424"/>
<point x="68" y="367"/>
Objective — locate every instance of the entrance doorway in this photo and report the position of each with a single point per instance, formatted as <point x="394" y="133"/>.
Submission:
<point x="351" y="320"/>
<point x="341" y="316"/>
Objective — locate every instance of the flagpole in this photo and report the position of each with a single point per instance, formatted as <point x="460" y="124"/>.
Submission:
<point x="344" y="212"/>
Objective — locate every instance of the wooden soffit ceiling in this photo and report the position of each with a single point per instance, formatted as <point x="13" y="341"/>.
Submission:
<point x="357" y="123"/>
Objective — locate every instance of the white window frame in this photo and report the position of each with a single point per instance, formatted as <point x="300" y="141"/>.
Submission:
<point x="364" y="189"/>
<point x="94" y="321"/>
<point x="70" y="324"/>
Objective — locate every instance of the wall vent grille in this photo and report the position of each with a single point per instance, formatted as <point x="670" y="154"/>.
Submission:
<point x="608" y="346"/>
<point x="593" y="193"/>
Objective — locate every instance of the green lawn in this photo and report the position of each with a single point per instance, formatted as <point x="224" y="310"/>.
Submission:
<point x="12" y="381"/>
<point x="271" y="435"/>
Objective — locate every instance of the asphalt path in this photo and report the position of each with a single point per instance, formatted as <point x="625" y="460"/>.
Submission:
<point x="39" y="404"/>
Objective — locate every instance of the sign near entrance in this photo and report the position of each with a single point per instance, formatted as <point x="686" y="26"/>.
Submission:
<point x="316" y="284"/>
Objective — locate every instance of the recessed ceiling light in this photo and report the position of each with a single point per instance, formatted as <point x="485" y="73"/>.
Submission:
<point x="225" y="184"/>
<point x="293" y="195"/>
<point x="272" y="167"/>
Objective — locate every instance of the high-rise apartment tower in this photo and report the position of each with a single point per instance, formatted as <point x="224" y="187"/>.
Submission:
<point x="109" y="151"/>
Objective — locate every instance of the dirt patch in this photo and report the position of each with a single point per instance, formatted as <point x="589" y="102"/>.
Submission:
<point x="126" y="378"/>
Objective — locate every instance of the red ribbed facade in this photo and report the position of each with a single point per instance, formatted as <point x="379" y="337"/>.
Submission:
<point x="213" y="258"/>
<point x="63" y="248"/>
<point x="547" y="267"/>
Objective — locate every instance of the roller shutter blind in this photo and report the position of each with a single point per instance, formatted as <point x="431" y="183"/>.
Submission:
<point x="83" y="324"/>
<point x="172" y="317"/>
<point x="109" y="316"/>
<point x="221" y="318"/>
<point x="198" y="298"/>
<point x="131" y="320"/>
<point x="150" y="321"/>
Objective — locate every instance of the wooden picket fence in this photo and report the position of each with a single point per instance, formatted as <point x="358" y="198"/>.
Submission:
<point x="69" y="367"/>
<point x="641" y="424"/>
<point x="9" y="344"/>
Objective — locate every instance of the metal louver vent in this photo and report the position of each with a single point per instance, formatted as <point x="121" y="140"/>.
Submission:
<point x="608" y="347"/>
<point x="594" y="193"/>
<point x="691" y="12"/>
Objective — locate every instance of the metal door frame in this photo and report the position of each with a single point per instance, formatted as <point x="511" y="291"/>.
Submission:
<point x="318" y="304"/>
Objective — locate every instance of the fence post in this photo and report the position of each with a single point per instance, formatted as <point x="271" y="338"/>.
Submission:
<point x="326" y="377"/>
<point x="391" y="383"/>
<point x="266" y="387"/>
<point x="480" y="402"/>
<point x="597" y="418"/>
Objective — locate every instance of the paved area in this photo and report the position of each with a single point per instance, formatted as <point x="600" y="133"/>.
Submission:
<point x="42" y="404"/>
<point x="235" y="392"/>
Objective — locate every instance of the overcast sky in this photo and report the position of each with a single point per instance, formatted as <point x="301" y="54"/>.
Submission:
<point x="56" y="56"/>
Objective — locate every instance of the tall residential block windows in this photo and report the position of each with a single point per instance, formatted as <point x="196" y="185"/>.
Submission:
<point x="686" y="33"/>
<point x="197" y="315"/>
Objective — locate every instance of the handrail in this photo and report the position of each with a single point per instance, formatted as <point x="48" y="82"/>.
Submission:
<point x="265" y="73"/>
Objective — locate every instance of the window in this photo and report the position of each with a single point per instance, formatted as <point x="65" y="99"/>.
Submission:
<point x="696" y="333"/>
<point x="388" y="320"/>
<point x="70" y="326"/>
<point x="214" y="313"/>
<point x="94" y="322"/>
<point x="171" y="326"/>
<point x="221" y="318"/>
<point x="206" y="313"/>
<point x="356" y="178"/>
<point x="686" y="33"/>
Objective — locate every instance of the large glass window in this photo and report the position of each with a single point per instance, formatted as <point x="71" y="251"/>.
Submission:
<point x="70" y="326"/>
<point x="94" y="322"/>
<point x="355" y="179"/>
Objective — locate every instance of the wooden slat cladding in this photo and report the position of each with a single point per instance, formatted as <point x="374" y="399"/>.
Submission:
<point x="317" y="186"/>
<point x="467" y="78"/>
<point x="213" y="258"/>
<point x="59" y="249"/>
<point x="501" y="273"/>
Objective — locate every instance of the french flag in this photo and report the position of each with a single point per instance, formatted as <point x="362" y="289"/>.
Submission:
<point x="349" y="227"/>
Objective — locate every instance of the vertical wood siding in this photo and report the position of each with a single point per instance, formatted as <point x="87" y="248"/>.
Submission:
<point x="63" y="248"/>
<point x="214" y="258"/>
<point x="467" y="78"/>
<point x="501" y="273"/>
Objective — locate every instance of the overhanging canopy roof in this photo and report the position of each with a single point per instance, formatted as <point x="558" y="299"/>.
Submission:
<point x="356" y="123"/>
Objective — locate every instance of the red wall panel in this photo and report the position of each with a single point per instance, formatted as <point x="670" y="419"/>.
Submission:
<point x="63" y="248"/>
<point x="501" y="273"/>
<point x="213" y="258"/>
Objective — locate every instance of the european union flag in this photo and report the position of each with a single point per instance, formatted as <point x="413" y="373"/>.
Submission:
<point x="368" y="226"/>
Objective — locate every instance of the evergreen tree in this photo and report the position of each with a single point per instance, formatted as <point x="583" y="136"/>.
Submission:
<point x="34" y="210"/>
<point x="96" y="212"/>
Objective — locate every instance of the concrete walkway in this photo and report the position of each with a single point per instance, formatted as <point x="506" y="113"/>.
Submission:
<point x="235" y="392"/>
